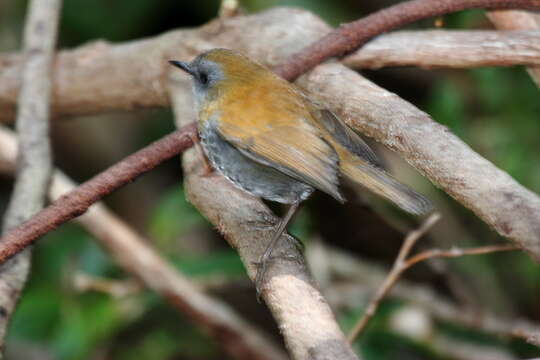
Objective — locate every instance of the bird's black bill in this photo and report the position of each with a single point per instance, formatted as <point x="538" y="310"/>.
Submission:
<point x="182" y="65"/>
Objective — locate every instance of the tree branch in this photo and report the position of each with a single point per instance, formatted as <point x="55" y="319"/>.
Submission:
<point x="133" y="254"/>
<point x="512" y="210"/>
<point x="34" y="163"/>
<point x="397" y="269"/>
<point x="448" y="49"/>
<point x="351" y="36"/>
<point x="363" y="276"/>
<point x="77" y="201"/>
<point x="135" y="82"/>
<point x="518" y="20"/>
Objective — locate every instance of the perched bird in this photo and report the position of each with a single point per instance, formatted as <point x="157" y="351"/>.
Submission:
<point x="265" y="136"/>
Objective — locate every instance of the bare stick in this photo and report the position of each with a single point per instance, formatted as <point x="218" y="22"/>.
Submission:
<point x="455" y="252"/>
<point x="77" y="201"/>
<point x="394" y="274"/>
<point x="351" y="36"/>
<point x="403" y="263"/>
<point x="448" y="49"/>
<point x="133" y="254"/>
<point x="518" y="20"/>
<point x="34" y="163"/>
<point x="361" y="276"/>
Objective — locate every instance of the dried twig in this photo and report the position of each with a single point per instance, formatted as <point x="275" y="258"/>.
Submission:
<point x="448" y="49"/>
<point x="34" y="163"/>
<point x="394" y="274"/>
<point x="404" y="262"/>
<point x="363" y="277"/>
<point x="455" y="252"/>
<point x="83" y="282"/>
<point x="238" y="338"/>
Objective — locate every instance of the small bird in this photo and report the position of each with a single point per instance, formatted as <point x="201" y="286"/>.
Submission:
<point x="270" y="140"/>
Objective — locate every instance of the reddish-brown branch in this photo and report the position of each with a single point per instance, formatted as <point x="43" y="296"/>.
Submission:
<point x="79" y="200"/>
<point x="349" y="37"/>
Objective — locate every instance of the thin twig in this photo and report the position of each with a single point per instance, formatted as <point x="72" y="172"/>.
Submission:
<point x="361" y="277"/>
<point x="351" y="36"/>
<point x="455" y="252"/>
<point x="393" y="276"/>
<point x="34" y="163"/>
<point x="403" y="262"/>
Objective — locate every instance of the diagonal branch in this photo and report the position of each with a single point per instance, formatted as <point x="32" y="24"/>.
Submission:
<point x="397" y="269"/>
<point x="238" y="338"/>
<point x="493" y="195"/>
<point x="360" y="276"/>
<point x="404" y="262"/>
<point x="34" y="163"/>
<point x="303" y="316"/>
<point x="78" y="200"/>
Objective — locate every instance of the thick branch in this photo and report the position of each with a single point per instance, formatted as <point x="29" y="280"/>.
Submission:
<point x="453" y="49"/>
<point x="305" y="319"/>
<point x="34" y="163"/>
<point x="518" y="20"/>
<point x="238" y="338"/>
<point x="99" y="77"/>
<point x="512" y="210"/>
<point x="77" y="201"/>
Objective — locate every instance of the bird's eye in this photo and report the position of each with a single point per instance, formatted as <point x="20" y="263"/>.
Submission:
<point x="203" y="78"/>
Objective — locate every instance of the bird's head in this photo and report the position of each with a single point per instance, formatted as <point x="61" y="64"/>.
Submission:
<point x="219" y="71"/>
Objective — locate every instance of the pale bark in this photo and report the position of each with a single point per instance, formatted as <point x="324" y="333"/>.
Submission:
<point x="34" y="163"/>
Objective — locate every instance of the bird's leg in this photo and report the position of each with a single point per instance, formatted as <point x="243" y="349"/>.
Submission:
<point x="263" y="260"/>
<point x="208" y="170"/>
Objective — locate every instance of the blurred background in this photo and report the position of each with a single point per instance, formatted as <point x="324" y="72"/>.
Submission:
<point x="79" y="305"/>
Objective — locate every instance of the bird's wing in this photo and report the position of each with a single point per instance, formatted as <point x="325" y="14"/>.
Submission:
<point x="278" y="137"/>
<point x="346" y="137"/>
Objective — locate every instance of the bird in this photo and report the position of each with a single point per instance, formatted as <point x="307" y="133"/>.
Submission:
<point x="269" y="139"/>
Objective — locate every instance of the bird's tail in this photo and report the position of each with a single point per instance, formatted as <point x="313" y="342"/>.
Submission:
<point x="383" y="184"/>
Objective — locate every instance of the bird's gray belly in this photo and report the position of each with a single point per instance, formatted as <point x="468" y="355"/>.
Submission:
<point x="252" y="177"/>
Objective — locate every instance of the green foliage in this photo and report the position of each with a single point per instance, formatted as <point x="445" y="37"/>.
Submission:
<point x="173" y="216"/>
